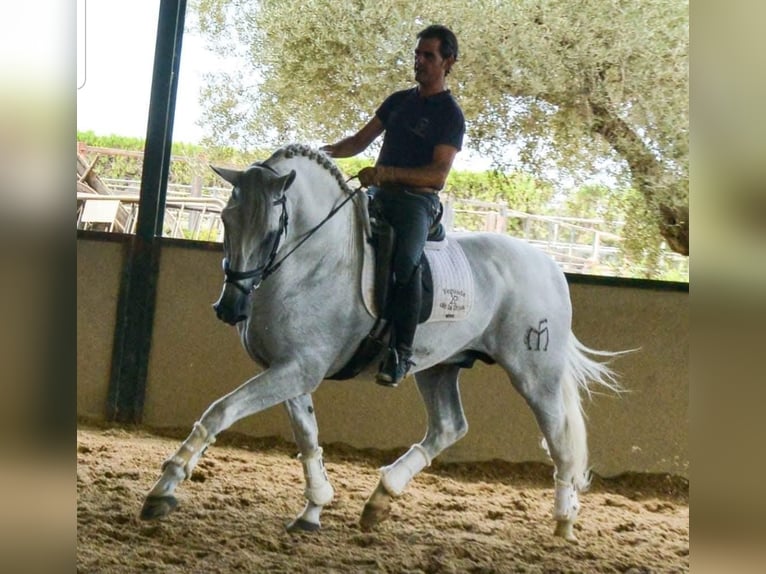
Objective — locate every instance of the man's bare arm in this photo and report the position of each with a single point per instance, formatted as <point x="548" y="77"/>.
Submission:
<point x="356" y="143"/>
<point x="433" y="175"/>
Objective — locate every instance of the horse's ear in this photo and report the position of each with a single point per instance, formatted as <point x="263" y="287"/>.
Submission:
<point x="230" y="175"/>
<point x="287" y="180"/>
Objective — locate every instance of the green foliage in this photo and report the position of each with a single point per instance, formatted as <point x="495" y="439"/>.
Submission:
<point x="518" y="190"/>
<point x="569" y="85"/>
<point x="622" y="210"/>
<point x="189" y="160"/>
<point x="526" y="73"/>
<point x="111" y="141"/>
<point x="353" y="165"/>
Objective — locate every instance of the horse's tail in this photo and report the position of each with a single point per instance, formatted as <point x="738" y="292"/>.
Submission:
<point x="582" y="372"/>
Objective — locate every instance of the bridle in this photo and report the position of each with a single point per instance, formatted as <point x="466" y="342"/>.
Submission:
<point x="264" y="270"/>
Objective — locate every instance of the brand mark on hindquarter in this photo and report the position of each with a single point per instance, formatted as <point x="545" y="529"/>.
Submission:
<point x="537" y="339"/>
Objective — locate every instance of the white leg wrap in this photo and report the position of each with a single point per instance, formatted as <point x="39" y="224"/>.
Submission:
<point x="318" y="487"/>
<point x="395" y="477"/>
<point x="191" y="450"/>
<point x="566" y="504"/>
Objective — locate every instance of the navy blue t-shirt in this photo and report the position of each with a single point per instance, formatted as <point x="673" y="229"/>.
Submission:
<point x="415" y="126"/>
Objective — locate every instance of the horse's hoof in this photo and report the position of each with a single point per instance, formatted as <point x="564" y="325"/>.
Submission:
<point x="301" y="525"/>
<point x="156" y="507"/>
<point x="373" y="514"/>
<point x="565" y="529"/>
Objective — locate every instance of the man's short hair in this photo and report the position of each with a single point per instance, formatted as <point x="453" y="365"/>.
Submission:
<point x="448" y="41"/>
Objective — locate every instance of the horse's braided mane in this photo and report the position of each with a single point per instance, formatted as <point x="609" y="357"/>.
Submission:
<point x="302" y="150"/>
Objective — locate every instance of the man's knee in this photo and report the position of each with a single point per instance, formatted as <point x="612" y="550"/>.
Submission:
<point x="408" y="277"/>
<point x="404" y="273"/>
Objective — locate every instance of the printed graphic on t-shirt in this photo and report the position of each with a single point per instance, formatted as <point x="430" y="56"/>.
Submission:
<point x="421" y="128"/>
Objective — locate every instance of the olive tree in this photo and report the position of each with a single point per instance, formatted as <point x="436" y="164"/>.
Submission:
<point x="570" y="85"/>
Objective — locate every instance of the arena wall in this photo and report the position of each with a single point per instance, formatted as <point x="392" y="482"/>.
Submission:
<point x="195" y="359"/>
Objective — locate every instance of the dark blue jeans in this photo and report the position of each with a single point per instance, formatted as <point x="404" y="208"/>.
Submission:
<point x="411" y="214"/>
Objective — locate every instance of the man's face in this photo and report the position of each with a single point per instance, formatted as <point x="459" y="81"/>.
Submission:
<point x="430" y="67"/>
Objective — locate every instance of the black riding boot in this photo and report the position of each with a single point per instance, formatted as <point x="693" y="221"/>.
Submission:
<point x="406" y="311"/>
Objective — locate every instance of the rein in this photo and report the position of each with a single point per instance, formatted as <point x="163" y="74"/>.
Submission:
<point x="261" y="272"/>
<point x="270" y="268"/>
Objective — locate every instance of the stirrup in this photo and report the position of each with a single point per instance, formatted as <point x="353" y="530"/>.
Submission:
<point x="393" y="369"/>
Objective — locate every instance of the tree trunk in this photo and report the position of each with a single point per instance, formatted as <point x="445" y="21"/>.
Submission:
<point x="647" y="173"/>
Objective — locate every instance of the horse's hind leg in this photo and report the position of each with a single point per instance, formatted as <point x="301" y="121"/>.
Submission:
<point x="555" y="402"/>
<point x="438" y="387"/>
<point x="318" y="490"/>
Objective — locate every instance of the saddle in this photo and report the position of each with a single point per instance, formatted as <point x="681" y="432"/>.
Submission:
<point x="383" y="241"/>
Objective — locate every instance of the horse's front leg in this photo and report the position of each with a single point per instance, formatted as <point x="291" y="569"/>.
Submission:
<point x="438" y="387"/>
<point x="319" y="491"/>
<point x="271" y="387"/>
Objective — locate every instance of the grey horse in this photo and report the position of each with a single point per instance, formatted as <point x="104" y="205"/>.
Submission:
<point x="295" y="243"/>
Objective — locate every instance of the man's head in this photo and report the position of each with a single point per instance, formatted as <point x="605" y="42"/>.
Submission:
<point x="434" y="55"/>
<point x="447" y="39"/>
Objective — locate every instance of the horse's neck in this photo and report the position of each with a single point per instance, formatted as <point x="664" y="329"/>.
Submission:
<point x="311" y="198"/>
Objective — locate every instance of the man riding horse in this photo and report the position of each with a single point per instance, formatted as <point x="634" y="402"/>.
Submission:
<point x="424" y="128"/>
<point x="314" y="281"/>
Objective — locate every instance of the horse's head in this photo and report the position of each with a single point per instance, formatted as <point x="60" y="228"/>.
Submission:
<point x="254" y="221"/>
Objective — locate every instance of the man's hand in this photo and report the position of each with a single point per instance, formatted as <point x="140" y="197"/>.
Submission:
<point x="368" y="176"/>
<point x="328" y="149"/>
<point x="376" y="175"/>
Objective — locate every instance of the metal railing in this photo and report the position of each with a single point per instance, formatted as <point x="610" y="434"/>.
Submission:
<point x="185" y="217"/>
<point x="579" y="245"/>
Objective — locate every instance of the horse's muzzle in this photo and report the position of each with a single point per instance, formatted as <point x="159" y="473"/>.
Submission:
<point x="231" y="307"/>
<point x="227" y="317"/>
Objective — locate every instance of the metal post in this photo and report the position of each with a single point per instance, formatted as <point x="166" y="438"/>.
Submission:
<point x="138" y="288"/>
<point x="195" y="218"/>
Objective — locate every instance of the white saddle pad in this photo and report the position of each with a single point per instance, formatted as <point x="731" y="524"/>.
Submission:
<point x="453" y="286"/>
<point x="452" y="281"/>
